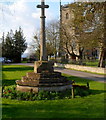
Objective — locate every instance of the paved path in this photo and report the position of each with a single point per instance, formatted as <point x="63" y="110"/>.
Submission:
<point x="85" y="75"/>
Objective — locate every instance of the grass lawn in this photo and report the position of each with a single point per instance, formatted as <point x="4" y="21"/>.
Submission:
<point x="92" y="63"/>
<point x="91" y="106"/>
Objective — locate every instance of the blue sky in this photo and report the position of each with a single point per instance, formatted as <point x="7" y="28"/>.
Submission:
<point x="15" y="13"/>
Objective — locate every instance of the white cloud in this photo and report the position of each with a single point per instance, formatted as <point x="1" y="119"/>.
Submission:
<point x="0" y="35"/>
<point x="69" y="1"/>
<point x="36" y="14"/>
<point x="37" y="0"/>
<point x="18" y="14"/>
<point x="21" y="13"/>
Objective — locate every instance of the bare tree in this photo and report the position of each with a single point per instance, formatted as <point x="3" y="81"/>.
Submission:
<point x="51" y="40"/>
<point x="68" y="42"/>
<point x="52" y="35"/>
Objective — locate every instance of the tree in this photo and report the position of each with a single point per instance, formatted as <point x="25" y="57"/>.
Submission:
<point x="34" y="46"/>
<point x="52" y="36"/>
<point x="0" y="49"/>
<point x="97" y="35"/>
<point x="92" y="21"/>
<point x="13" y="45"/>
<point x="19" y="45"/>
<point x="68" y="42"/>
<point x="8" y="46"/>
<point x="88" y="26"/>
<point x="52" y="40"/>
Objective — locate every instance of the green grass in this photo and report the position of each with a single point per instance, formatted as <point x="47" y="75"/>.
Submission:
<point x="11" y="73"/>
<point x="92" y="63"/>
<point x="23" y="61"/>
<point x="91" y="106"/>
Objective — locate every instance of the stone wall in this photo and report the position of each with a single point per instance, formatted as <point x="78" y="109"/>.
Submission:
<point x="82" y="68"/>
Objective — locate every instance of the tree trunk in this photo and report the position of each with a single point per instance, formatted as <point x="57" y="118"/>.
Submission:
<point x="80" y="55"/>
<point x="102" y="58"/>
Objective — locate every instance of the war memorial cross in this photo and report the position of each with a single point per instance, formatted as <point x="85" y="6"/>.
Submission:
<point x="43" y="55"/>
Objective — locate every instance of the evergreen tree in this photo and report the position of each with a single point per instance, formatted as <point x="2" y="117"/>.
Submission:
<point x="13" y="45"/>
<point x="19" y="45"/>
<point x="7" y="45"/>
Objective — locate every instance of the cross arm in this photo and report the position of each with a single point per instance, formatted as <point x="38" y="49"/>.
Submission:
<point x="42" y="6"/>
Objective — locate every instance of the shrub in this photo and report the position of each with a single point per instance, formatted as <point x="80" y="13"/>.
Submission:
<point x="81" y="92"/>
<point x="11" y="93"/>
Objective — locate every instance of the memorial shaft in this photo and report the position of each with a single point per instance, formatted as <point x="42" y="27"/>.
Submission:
<point x="43" y="54"/>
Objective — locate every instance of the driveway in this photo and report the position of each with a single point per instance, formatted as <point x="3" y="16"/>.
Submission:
<point x="85" y="75"/>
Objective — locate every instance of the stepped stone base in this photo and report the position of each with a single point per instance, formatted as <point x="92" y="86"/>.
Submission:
<point x="43" y="78"/>
<point x="37" y="89"/>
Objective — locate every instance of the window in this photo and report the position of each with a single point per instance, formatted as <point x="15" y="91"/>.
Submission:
<point x="67" y="16"/>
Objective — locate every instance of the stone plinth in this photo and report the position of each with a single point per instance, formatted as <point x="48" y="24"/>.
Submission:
<point x="42" y="66"/>
<point x="43" y="78"/>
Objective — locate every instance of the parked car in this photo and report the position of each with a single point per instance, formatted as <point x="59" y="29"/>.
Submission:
<point x="8" y="61"/>
<point x="2" y="60"/>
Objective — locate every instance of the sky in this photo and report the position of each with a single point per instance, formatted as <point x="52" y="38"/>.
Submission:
<point x="25" y="14"/>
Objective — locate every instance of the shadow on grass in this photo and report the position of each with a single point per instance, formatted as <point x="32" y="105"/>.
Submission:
<point x="8" y="82"/>
<point x="17" y="69"/>
<point x="79" y="80"/>
<point x="84" y="82"/>
<point x="46" y="110"/>
<point x="94" y="92"/>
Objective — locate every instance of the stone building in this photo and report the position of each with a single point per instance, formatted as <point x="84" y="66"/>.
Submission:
<point x="66" y="20"/>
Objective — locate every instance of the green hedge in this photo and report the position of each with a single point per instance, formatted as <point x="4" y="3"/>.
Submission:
<point x="12" y="93"/>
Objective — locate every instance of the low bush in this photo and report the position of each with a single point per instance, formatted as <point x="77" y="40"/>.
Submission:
<point x="12" y="93"/>
<point x="81" y="92"/>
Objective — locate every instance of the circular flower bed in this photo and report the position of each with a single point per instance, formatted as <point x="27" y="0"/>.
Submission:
<point x="12" y="93"/>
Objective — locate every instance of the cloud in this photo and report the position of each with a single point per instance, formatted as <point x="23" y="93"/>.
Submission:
<point x="22" y="13"/>
<point x="36" y="14"/>
<point x="1" y="35"/>
<point x="18" y="14"/>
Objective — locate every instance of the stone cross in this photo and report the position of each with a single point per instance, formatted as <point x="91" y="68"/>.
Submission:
<point x="43" y="56"/>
